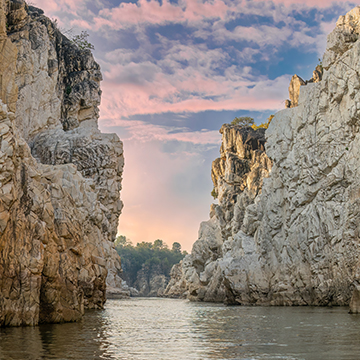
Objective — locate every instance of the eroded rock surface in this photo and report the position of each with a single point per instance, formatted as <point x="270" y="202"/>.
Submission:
<point x="297" y="242"/>
<point x="294" y="90"/>
<point x="59" y="176"/>
<point x="296" y="83"/>
<point x="238" y="178"/>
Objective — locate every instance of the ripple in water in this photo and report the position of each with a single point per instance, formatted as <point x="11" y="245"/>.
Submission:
<point x="166" y="329"/>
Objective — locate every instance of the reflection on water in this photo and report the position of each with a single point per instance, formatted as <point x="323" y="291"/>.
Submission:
<point x="165" y="329"/>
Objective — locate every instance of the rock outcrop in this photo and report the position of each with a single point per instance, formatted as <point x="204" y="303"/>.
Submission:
<point x="238" y="178"/>
<point x="296" y="82"/>
<point x="150" y="282"/>
<point x="59" y="176"/>
<point x="294" y="90"/>
<point x="296" y="242"/>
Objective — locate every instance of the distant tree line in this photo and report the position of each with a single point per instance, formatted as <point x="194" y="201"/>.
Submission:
<point x="151" y="255"/>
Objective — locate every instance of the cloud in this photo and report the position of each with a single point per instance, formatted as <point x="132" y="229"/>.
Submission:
<point x="211" y="65"/>
<point x="195" y="11"/>
<point x="68" y="6"/>
<point x="154" y="12"/>
<point x="49" y="6"/>
<point x="310" y="3"/>
<point x="145" y="132"/>
<point x="186" y="91"/>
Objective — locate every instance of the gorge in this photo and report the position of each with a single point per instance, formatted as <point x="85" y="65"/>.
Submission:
<point x="286" y="227"/>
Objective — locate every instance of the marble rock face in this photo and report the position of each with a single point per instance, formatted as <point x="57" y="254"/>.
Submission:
<point x="59" y="176"/>
<point x="238" y="178"/>
<point x="295" y="239"/>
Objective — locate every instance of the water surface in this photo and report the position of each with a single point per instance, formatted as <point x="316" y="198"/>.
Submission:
<point x="166" y="329"/>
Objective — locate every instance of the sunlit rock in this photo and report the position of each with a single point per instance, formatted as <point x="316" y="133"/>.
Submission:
<point x="59" y="176"/>
<point x="297" y="241"/>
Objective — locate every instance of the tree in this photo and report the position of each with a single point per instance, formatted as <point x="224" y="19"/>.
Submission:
<point x="121" y="240"/>
<point x="243" y="121"/>
<point x="81" y="41"/>
<point x="155" y="256"/>
<point x="159" y="244"/>
<point x="176" y="247"/>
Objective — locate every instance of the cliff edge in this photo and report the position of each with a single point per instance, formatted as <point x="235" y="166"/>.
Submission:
<point x="59" y="176"/>
<point x="296" y="242"/>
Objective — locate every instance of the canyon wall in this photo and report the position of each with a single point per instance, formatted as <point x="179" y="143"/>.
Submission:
<point x="59" y="176"/>
<point x="287" y="226"/>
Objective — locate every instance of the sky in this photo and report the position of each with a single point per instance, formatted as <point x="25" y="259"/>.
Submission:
<point x="174" y="72"/>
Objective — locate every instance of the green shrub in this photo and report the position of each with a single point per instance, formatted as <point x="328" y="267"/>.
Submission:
<point x="214" y="193"/>
<point x="264" y="125"/>
<point x="81" y="41"/>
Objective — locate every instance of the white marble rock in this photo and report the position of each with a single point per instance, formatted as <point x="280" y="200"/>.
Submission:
<point x="296" y="242"/>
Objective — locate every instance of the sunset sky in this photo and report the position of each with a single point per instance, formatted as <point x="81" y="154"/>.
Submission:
<point x="175" y="71"/>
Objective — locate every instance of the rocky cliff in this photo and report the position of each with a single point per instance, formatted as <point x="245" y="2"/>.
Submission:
<point x="295" y="239"/>
<point x="59" y="176"/>
<point x="238" y="178"/>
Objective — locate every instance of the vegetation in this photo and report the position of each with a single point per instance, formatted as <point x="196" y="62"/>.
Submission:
<point x="152" y="255"/>
<point x="81" y="41"/>
<point x="214" y="193"/>
<point x="249" y="121"/>
<point x="243" y="121"/>
<point x="320" y="65"/>
<point x="264" y="125"/>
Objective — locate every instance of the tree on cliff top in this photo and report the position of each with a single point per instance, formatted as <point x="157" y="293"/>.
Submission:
<point x="243" y="121"/>
<point x="249" y="121"/>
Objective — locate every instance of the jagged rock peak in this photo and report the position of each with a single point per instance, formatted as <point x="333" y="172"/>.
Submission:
<point x="296" y="83"/>
<point x="60" y="177"/>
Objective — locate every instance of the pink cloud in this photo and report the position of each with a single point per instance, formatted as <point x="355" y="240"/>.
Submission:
<point x="50" y="7"/>
<point x="191" y="11"/>
<point x="81" y="24"/>
<point x="310" y="3"/>
<point x="124" y="99"/>
<point x="153" y="12"/>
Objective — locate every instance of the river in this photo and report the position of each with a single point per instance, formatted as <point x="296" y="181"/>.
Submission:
<point x="167" y="329"/>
